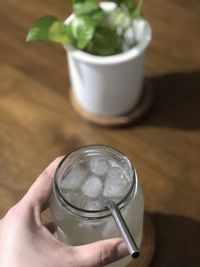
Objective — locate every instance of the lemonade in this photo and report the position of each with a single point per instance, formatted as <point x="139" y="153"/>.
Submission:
<point x="84" y="181"/>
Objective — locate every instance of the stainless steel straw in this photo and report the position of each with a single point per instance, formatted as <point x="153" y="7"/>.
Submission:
<point x="132" y="247"/>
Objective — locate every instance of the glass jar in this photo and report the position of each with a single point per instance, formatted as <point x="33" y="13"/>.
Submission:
<point x="78" y="225"/>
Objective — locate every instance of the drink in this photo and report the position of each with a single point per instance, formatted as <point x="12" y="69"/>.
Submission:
<point x="84" y="181"/>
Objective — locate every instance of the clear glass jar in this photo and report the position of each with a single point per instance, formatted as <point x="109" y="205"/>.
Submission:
<point x="78" y="226"/>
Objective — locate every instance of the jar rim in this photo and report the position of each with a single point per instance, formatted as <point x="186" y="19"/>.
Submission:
<point x="101" y="213"/>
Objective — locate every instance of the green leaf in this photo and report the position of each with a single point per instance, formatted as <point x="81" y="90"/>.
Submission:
<point x="105" y="42"/>
<point x="127" y="3"/>
<point x="40" y="28"/>
<point x="116" y="17"/>
<point x="98" y="16"/>
<point x="136" y="11"/>
<point x="118" y="2"/>
<point x="85" y="7"/>
<point x="83" y="30"/>
<point x="60" y="33"/>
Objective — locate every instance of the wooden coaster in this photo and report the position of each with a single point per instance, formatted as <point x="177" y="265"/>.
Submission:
<point x="148" y="245"/>
<point x="132" y="117"/>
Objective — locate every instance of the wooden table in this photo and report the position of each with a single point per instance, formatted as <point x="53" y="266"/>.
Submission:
<point x="38" y="123"/>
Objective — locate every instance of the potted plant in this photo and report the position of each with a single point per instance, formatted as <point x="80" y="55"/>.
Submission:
<point x="105" y="44"/>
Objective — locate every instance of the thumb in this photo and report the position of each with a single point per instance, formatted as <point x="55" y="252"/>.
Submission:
<point x="101" y="253"/>
<point x="39" y="192"/>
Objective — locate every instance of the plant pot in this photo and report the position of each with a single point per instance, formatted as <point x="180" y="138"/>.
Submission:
<point x="109" y="86"/>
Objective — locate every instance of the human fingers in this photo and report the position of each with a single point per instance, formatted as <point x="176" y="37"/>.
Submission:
<point x="39" y="193"/>
<point x="100" y="253"/>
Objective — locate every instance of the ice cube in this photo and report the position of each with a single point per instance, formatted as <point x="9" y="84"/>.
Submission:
<point x="74" y="178"/>
<point x="115" y="184"/>
<point x="99" y="166"/>
<point x="92" y="187"/>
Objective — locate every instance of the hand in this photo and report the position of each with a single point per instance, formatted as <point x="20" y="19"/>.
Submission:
<point x="26" y="242"/>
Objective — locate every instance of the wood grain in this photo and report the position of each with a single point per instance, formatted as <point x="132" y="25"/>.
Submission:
<point x="148" y="245"/>
<point x="38" y="123"/>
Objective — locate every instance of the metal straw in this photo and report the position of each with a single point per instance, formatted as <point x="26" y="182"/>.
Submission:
<point x="132" y="247"/>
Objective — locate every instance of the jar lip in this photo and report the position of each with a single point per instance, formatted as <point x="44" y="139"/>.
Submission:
<point x="101" y="213"/>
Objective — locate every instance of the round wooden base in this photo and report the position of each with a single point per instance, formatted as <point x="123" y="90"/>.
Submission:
<point x="132" y="117"/>
<point x="148" y="245"/>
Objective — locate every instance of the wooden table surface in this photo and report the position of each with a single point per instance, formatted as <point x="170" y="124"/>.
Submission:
<point x="38" y="123"/>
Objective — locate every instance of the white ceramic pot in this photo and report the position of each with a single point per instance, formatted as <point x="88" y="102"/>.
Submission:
<point x="111" y="85"/>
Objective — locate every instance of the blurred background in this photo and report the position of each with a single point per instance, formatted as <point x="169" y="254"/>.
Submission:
<point x="38" y="123"/>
